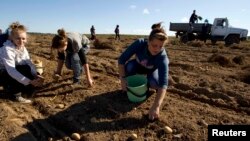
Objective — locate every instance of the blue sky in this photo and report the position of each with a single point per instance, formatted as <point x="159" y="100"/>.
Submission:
<point x="133" y="16"/>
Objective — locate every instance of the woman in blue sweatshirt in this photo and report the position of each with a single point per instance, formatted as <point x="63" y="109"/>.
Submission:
<point x="152" y="60"/>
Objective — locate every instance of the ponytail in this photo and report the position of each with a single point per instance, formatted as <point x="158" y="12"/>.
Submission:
<point x="16" y="27"/>
<point x="158" y="32"/>
<point x="60" y="39"/>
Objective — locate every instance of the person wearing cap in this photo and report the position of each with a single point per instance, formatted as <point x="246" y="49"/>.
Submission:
<point x="205" y="30"/>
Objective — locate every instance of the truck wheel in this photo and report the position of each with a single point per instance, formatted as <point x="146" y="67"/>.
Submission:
<point x="236" y="40"/>
<point x="232" y="39"/>
<point x="184" y="39"/>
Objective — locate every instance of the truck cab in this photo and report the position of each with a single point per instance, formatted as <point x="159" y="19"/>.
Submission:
<point x="221" y="31"/>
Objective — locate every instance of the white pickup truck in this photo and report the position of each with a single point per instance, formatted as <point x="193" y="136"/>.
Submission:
<point x="218" y="31"/>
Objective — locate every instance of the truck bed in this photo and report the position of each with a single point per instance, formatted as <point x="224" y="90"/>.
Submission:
<point x="184" y="27"/>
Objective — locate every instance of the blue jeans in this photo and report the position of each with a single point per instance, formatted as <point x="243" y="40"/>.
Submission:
<point x="73" y="62"/>
<point x="132" y="68"/>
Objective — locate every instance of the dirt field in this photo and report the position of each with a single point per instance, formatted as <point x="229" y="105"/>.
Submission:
<point x="209" y="84"/>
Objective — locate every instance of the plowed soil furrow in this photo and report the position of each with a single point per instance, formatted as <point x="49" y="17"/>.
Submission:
<point x="203" y="90"/>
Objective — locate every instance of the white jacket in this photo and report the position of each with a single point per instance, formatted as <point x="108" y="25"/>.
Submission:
<point x="10" y="57"/>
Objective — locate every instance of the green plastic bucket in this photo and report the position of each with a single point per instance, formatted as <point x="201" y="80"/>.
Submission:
<point x="137" y="88"/>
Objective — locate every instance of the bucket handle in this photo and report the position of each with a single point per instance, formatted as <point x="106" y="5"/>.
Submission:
<point x="137" y="94"/>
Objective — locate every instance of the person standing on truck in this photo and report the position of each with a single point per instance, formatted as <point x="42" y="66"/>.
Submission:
<point x="193" y="18"/>
<point x="205" y="30"/>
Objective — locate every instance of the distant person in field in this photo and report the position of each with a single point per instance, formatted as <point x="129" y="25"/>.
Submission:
<point x="92" y="31"/>
<point x="151" y="60"/>
<point x="72" y="49"/>
<point x="117" y="33"/>
<point x="18" y="75"/>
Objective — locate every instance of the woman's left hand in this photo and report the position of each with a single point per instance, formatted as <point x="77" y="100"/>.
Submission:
<point x="90" y="82"/>
<point x="154" y="113"/>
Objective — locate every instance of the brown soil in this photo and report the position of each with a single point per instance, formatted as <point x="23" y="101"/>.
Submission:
<point x="209" y="84"/>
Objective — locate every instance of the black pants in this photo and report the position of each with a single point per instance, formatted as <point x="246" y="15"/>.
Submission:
<point x="92" y="37"/>
<point x="117" y="36"/>
<point x="12" y="86"/>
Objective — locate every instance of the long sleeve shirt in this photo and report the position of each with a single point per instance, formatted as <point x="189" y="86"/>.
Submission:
<point x="76" y="42"/>
<point x="193" y="18"/>
<point x="10" y="57"/>
<point x="151" y="62"/>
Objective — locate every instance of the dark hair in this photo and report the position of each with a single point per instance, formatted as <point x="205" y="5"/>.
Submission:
<point x="158" y="32"/>
<point x="59" y="39"/>
<point x="156" y="25"/>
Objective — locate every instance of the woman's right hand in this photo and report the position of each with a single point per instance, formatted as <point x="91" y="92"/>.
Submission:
<point x="37" y="82"/>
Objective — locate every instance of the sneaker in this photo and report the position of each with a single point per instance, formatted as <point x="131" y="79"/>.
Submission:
<point x="23" y="100"/>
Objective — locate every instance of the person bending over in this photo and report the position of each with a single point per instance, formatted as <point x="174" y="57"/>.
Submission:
<point x="72" y="48"/>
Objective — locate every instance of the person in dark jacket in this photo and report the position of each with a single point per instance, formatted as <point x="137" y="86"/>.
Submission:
<point x="117" y="33"/>
<point x="193" y="18"/>
<point x="92" y="31"/>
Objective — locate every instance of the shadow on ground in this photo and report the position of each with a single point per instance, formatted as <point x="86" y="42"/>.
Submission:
<point x="105" y="112"/>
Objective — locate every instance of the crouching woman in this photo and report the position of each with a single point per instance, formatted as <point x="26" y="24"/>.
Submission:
<point x="151" y="60"/>
<point x="17" y="73"/>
